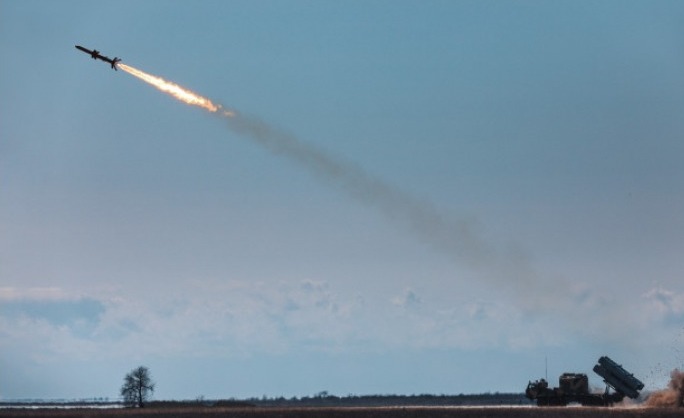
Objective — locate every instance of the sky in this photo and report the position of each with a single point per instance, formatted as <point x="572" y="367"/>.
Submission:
<point x="414" y="197"/>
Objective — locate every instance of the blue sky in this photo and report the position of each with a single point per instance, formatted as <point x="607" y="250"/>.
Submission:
<point x="521" y="164"/>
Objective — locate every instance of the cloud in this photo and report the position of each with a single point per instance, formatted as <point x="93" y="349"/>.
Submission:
<point x="32" y="293"/>
<point x="51" y="306"/>
<point x="409" y="300"/>
<point x="480" y="310"/>
<point x="225" y="318"/>
<point x="229" y="319"/>
<point x="239" y="318"/>
<point x="665" y="305"/>
<point x="56" y="312"/>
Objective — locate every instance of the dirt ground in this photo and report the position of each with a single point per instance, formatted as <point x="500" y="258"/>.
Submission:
<point x="383" y="412"/>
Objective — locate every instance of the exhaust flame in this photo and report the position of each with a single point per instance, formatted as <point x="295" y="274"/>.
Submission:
<point x="180" y="93"/>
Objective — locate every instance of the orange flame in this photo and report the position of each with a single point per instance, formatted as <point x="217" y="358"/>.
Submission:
<point x="180" y="93"/>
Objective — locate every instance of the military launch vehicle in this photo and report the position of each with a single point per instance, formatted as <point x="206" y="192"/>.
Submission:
<point x="574" y="387"/>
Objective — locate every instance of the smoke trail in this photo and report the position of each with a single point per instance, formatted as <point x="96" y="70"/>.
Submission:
<point x="455" y="236"/>
<point x="509" y="269"/>
<point x="511" y="272"/>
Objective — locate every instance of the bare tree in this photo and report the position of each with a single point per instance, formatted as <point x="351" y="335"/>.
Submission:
<point x="138" y="387"/>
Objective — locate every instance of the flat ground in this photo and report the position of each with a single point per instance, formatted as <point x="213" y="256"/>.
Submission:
<point x="381" y="412"/>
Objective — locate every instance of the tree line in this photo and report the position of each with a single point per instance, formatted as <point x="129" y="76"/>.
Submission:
<point x="138" y="388"/>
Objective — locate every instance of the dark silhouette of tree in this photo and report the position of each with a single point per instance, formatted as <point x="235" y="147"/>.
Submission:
<point x="138" y="387"/>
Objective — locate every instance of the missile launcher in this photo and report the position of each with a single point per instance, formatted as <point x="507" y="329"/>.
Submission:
<point x="618" y="378"/>
<point x="574" y="387"/>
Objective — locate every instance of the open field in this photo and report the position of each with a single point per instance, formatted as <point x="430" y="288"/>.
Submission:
<point x="380" y="412"/>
